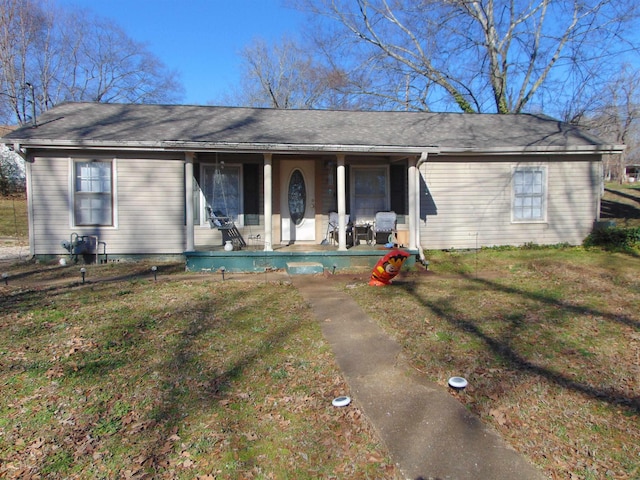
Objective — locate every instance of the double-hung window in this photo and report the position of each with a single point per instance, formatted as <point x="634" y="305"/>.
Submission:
<point x="369" y="191"/>
<point x="93" y="193"/>
<point x="222" y="190"/>
<point x="529" y="194"/>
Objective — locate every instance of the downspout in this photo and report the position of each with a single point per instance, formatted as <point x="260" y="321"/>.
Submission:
<point x="416" y="219"/>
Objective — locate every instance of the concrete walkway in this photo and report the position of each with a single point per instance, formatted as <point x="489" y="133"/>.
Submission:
<point x="429" y="434"/>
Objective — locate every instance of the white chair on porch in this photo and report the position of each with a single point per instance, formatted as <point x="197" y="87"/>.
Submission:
<point x="385" y="223"/>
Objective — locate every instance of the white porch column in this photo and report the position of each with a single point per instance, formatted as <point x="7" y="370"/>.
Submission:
<point x="188" y="188"/>
<point x="268" y="206"/>
<point x="342" y="203"/>
<point x="417" y="195"/>
<point x="413" y="204"/>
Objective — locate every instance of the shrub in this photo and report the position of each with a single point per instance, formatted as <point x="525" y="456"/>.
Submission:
<point x="614" y="238"/>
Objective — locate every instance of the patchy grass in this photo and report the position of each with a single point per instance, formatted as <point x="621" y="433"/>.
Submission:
<point x="13" y="217"/>
<point x="549" y="340"/>
<point x="187" y="377"/>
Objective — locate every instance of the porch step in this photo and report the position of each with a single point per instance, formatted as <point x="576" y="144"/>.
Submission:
<point x="304" y="268"/>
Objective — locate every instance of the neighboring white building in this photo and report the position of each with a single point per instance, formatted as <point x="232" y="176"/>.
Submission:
<point x="11" y="163"/>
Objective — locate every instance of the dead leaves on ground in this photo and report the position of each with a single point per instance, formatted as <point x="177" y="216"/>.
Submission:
<point x="177" y="381"/>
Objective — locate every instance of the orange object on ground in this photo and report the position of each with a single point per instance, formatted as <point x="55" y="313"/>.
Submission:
<point x="387" y="268"/>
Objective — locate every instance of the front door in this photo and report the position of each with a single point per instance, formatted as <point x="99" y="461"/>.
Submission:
<point x="297" y="201"/>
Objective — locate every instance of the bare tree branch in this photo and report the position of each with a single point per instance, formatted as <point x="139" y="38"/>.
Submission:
<point x="479" y="55"/>
<point x="73" y="56"/>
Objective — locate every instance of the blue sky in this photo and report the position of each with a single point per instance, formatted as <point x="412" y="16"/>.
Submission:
<point x="199" y="38"/>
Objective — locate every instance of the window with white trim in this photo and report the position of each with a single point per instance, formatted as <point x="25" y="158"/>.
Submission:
<point x="369" y="191"/>
<point x="222" y="190"/>
<point x="529" y="194"/>
<point x="93" y="193"/>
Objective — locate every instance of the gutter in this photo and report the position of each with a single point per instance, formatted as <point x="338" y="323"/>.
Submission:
<point x="236" y="147"/>
<point x="19" y="149"/>
<point x="533" y="150"/>
<point x="310" y="148"/>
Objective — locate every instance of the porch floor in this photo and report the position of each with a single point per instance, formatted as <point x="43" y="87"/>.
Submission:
<point x="253" y="258"/>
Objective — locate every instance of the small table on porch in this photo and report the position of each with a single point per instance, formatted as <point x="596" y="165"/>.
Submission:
<point x="362" y="231"/>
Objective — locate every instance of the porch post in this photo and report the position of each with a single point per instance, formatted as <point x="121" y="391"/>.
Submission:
<point x="188" y="188"/>
<point x="342" y="203"/>
<point x="268" y="207"/>
<point x="418" y="195"/>
<point x="413" y="201"/>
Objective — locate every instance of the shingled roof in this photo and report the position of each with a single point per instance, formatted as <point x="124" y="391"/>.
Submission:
<point x="99" y="125"/>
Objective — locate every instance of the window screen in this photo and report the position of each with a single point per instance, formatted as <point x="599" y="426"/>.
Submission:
<point x="370" y="192"/>
<point x="93" y="194"/>
<point x="529" y="193"/>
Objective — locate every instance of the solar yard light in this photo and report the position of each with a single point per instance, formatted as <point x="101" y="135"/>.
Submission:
<point x="83" y="272"/>
<point x="154" y="269"/>
<point x="5" y="277"/>
<point x="222" y="270"/>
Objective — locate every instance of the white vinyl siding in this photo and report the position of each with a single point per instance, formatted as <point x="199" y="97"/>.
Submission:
<point x="50" y="208"/>
<point x="469" y="204"/>
<point x="151" y="207"/>
<point x="148" y="203"/>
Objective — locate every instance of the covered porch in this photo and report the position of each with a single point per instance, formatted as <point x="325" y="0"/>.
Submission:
<point x="280" y="204"/>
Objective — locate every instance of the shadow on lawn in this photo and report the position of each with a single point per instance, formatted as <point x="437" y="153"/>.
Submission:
<point x="193" y="386"/>
<point x="635" y="198"/>
<point x="187" y="383"/>
<point x="503" y="350"/>
<point x="612" y="208"/>
<point x="211" y="384"/>
<point x="33" y="275"/>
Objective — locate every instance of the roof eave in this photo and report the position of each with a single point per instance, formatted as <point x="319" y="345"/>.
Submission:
<point x="219" y="146"/>
<point x="247" y="147"/>
<point x="534" y="150"/>
<point x="298" y="148"/>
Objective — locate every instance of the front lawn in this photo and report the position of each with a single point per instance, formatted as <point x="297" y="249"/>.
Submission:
<point x="549" y="340"/>
<point x="184" y="377"/>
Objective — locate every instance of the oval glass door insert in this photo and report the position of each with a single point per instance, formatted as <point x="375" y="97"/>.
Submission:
<point x="297" y="197"/>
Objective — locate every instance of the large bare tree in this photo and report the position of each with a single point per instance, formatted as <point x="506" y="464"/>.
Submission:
<point x="286" y="75"/>
<point x="502" y="56"/>
<point x="50" y="55"/>
<point x="614" y="114"/>
<point x="278" y="76"/>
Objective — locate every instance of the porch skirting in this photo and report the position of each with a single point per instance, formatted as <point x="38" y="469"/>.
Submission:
<point x="261" y="261"/>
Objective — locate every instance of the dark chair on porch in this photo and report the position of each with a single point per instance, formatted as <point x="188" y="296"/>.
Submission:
<point x="227" y="228"/>
<point x="384" y="227"/>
